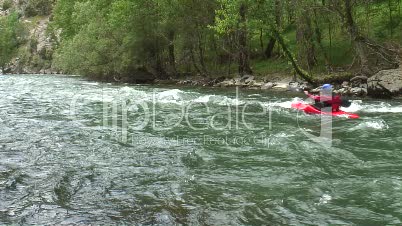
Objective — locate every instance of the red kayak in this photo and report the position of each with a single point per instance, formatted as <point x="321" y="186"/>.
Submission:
<point x="312" y="110"/>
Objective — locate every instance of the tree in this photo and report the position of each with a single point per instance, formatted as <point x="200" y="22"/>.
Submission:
<point x="10" y="29"/>
<point x="232" y="19"/>
<point x="278" y="24"/>
<point x="372" y="56"/>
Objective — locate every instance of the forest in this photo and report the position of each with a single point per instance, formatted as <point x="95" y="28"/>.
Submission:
<point x="108" y="39"/>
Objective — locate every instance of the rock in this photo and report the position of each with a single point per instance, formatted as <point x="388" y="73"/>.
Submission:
<point x="283" y="86"/>
<point x="249" y="80"/>
<point x="218" y="80"/>
<point x="363" y="85"/>
<point x="268" y="85"/>
<point x="246" y="78"/>
<point x="343" y="91"/>
<point x="239" y="82"/>
<point x="357" y="91"/>
<point x="258" y="84"/>
<point x="345" y="84"/>
<point x="295" y="87"/>
<point x="359" y="78"/>
<point x="226" y="83"/>
<point x="306" y="86"/>
<point x="7" y="70"/>
<point x="251" y="83"/>
<point x="385" y="83"/>
<point x="358" y="81"/>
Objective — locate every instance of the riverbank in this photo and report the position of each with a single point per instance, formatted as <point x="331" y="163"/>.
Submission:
<point x="383" y="85"/>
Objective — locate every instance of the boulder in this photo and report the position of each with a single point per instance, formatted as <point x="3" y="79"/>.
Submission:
<point x="357" y="91"/>
<point x="343" y="91"/>
<point x="267" y="86"/>
<point x="239" y="82"/>
<point x="251" y="83"/>
<point x="295" y="87"/>
<point x="306" y="86"/>
<point x="385" y="83"/>
<point x="359" y="78"/>
<point x="226" y="83"/>
<point x="258" y="84"/>
<point x="345" y="84"/>
<point x="249" y="80"/>
<point x="358" y="81"/>
<point x="7" y="70"/>
<point x="218" y="80"/>
<point x="281" y="86"/>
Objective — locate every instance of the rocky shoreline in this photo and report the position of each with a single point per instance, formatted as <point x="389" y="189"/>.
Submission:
<point x="384" y="84"/>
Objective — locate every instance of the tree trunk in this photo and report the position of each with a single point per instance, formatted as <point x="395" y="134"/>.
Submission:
<point x="391" y="22"/>
<point x="159" y="66"/>
<point x="270" y="48"/>
<point x="357" y="39"/>
<point x="278" y="21"/>
<point x="244" y="58"/>
<point x="302" y="73"/>
<point x="330" y="41"/>
<point x="172" y="58"/>
<point x="201" y="54"/>
<point x="305" y="40"/>
<point x="262" y="40"/>
<point x="318" y="38"/>
<point x="194" y="61"/>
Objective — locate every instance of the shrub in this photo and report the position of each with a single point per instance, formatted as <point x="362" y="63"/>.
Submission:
<point x="7" y="4"/>
<point x="38" y="8"/>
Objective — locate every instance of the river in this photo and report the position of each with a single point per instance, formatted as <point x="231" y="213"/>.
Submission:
<point x="76" y="152"/>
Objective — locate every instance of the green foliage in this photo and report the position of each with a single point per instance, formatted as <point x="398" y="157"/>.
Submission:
<point x="108" y="38"/>
<point x="10" y="31"/>
<point x="38" y="8"/>
<point x="7" y="4"/>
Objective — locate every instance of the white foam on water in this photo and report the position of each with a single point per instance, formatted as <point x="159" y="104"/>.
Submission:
<point x="355" y="107"/>
<point x="360" y="106"/>
<point x="226" y="101"/>
<point x="285" y="104"/>
<point x="384" y="108"/>
<point x="324" y="199"/>
<point x="254" y="95"/>
<point x="173" y="96"/>
<point x="203" y="99"/>
<point x="283" y="135"/>
<point x="133" y="94"/>
<point x="90" y="83"/>
<point x="219" y="100"/>
<point x="373" y="124"/>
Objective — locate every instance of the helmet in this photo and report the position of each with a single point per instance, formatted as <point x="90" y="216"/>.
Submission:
<point x="326" y="87"/>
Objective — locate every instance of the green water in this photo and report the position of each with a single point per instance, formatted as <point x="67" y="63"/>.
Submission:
<point x="74" y="152"/>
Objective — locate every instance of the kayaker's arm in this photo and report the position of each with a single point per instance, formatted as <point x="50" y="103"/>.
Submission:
<point x="314" y="97"/>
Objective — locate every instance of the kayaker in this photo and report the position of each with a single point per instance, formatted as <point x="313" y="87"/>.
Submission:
<point x="326" y="99"/>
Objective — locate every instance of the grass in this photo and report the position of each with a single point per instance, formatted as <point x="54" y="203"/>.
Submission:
<point x="271" y="66"/>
